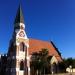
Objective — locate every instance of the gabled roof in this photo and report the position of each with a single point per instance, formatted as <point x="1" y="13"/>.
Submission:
<point x="19" y="16"/>
<point x="37" y="45"/>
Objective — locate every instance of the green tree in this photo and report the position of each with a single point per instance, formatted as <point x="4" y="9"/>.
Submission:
<point x="68" y="62"/>
<point x="40" y="62"/>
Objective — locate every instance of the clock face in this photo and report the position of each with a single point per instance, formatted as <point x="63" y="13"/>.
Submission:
<point x="21" y="34"/>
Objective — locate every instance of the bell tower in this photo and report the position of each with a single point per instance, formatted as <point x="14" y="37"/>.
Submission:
<point x="18" y="60"/>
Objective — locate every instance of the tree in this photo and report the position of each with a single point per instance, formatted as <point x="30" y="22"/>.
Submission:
<point x="62" y="67"/>
<point x="40" y="62"/>
<point x="68" y="62"/>
<point x="34" y="63"/>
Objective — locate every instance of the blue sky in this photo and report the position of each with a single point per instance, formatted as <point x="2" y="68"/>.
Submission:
<point x="45" y="20"/>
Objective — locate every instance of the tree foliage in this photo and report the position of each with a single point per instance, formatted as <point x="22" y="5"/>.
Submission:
<point x="40" y="61"/>
<point x="66" y="63"/>
<point x="69" y="61"/>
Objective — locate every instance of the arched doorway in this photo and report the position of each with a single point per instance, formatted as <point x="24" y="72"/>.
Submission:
<point x="54" y="68"/>
<point x="21" y="65"/>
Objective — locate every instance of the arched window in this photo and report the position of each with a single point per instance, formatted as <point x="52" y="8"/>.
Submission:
<point x="21" y="65"/>
<point x="22" y="46"/>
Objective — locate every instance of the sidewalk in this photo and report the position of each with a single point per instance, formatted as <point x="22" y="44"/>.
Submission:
<point x="63" y="74"/>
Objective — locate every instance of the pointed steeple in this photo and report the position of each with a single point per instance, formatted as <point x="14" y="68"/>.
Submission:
<point x="19" y="17"/>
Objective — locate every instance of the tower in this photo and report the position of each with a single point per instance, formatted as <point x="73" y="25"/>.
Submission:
<point x="18" y="62"/>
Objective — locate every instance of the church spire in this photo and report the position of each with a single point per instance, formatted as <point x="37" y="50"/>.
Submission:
<point x="19" y="20"/>
<point x="19" y="17"/>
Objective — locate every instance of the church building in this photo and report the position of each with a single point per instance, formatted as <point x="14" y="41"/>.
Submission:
<point x="21" y="48"/>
